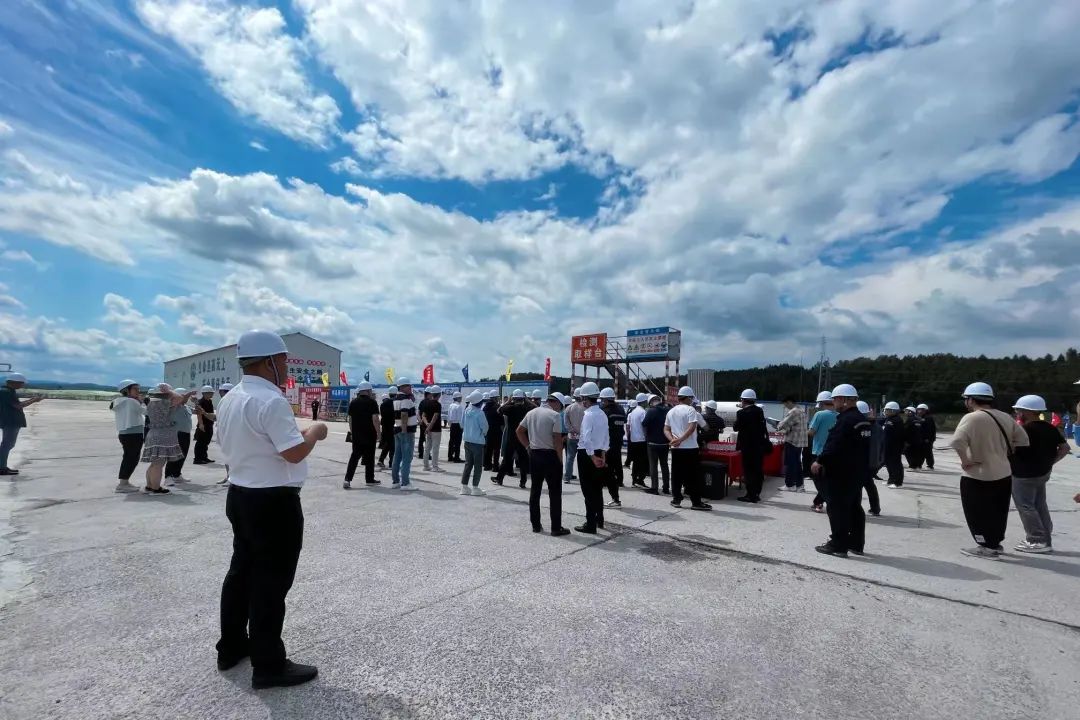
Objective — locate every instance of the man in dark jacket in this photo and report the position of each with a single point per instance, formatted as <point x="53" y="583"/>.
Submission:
<point x="616" y="417"/>
<point x="846" y="464"/>
<point x="715" y="424"/>
<point x="752" y="443"/>
<point x="929" y="434"/>
<point x="493" y="442"/>
<point x="893" y="428"/>
<point x="364" y="429"/>
<point x="513" y="413"/>
<point x="915" y="438"/>
<point x="657" y="444"/>
<point x="204" y="427"/>
<point x="386" y="420"/>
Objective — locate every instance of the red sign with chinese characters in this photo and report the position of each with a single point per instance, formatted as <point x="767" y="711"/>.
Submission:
<point x="672" y="395"/>
<point x="589" y="349"/>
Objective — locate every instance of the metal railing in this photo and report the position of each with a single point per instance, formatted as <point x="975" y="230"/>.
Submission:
<point x="618" y="366"/>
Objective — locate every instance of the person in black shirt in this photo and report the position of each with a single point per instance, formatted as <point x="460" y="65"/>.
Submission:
<point x="493" y="442"/>
<point x="421" y="432"/>
<point x="204" y="429"/>
<point x="364" y="428"/>
<point x="929" y="434"/>
<point x="431" y="422"/>
<point x="656" y="444"/>
<point x="845" y="460"/>
<point x="752" y="443"/>
<point x="1031" y="468"/>
<point x="915" y="437"/>
<point x="387" y="417"/>
<point x="514" y="412"/>
<point x="616" y="417"/>
<point x="893" y="428"/>
<point x="714" y="422"/>
<point x="315" y="409"/>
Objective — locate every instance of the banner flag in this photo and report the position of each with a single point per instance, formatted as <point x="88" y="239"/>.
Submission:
<point x="547" y="370"/>
<point x="390" y="375"/>
<point x="465" y="372"/>
<point x="344" y="379"/>
<point x="290" y="383"/>
<point x="367" y="376"/>
<point x="509" y="368"/>
<point x="326" y="379"/>
<point x="429" y="375"/>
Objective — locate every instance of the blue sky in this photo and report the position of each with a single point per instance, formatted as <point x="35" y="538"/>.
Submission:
<point x="422" y="182"/>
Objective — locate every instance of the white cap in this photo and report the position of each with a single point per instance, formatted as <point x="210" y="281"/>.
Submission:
<point x="476" y="396"/>
<point x="642" y="397"/>
<point x="979" y="389"/>
<point x="435" y="390"/>
<point x="588" y="390"/>
<point x="824" y="396"/>
<point x="518" y="393"/>
<point x="392" y="390"/>
<point x="403" y="381"/>
<point x="15" y="377"/>
<point x="207" y="389"/>
<point x="863" y="407"/>
<point x="607" y="394"/>
<point x="747" y="394"/>
<point x="260" y="343"/>
<point x="1030" y="402"/>
<point x="687" y="391"/>
<point x="711" y="404"/>
<point x="125" y="384"/>
<point x="363" y="386"/>
<point x="892" y="406"/>
<point x="922" y="406"/>
<point x="845" y="391"/>
<point x="225" y="387"/>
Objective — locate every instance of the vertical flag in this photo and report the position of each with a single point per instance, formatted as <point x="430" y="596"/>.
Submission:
<point x="390" y="375"/>
<point x="429" y="375"/>
<point x="326" y="379"/>
<point x="344" y="378"/>
<point x="547" y="370"/>
<point x="509" y="368"/>
<point x="465" y="372"/>
<point x="290" y="382"/>
<point x="367" y="376"/>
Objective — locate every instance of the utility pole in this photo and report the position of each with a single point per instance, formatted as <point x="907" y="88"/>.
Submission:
<point x="821" y="364"/>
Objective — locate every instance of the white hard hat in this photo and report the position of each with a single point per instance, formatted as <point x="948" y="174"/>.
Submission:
<point x="711" y="404"/>
<point x="163" y="387"/>
<point x="577" y="392"/>
<point x="863" y="407"/>
<point x="979" y="389"/>
<point x="125" y="384"/>
<point x="845" y="391"/>
<point x="226" y="387"/>
<point x="824" y="396"/>
<point x="435" y="390"/>
<point x="259" y="343"/>
<point x="746" y="395"/>
<point x="16" y="377"/>
<point x="1030" y="402"/>
<point x="207" y="389"/>
<point x="180" y="391"/>
<point x="476" y="396"/>
<point x="653" y="396"/>
<point x="687" y="391"/>
<point x="631" y="403"/>
<point x="892" y="406"/>
<point x="589" y="390"/>
<point x="363" y="386"/>
<point x="567" y="400"/>
<point x="392" y="390"/>
<point x="538" y="393"/>
<point x="518" y="394"/>
<point x="607" y="394"/>
<point x="404" y="381"/>
<point x="457" y="393"/>
<point x="642" y="397"/>
<point x="910" y="409"/>
<point x="922" y="406"/>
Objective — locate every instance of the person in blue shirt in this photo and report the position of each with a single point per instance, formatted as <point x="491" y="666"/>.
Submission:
<point x="474" y="431"/>
<point x="820" y="425"/>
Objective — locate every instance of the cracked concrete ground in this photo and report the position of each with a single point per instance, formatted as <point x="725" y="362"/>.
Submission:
<point x="435" y="605"/>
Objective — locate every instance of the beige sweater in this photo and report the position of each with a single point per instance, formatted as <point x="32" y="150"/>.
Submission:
<point x="978" y="439"/>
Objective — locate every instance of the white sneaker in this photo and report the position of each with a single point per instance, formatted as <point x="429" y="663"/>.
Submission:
<point x="427" y="469"/>
<point x="800" y="489"/>
<point x="479" y="491"/>
<point x="396" y="485"/>
<point x="614" y="504"/>
<point x="436" y="468"/>
<point x="169" y="482"/>
<point x="891" y="486"/>
<point x="125" y="487"/>
<point x="180" y="479"/>
<point x="981" y="552"/>
<point x="410" y="487"/>
<point x="464" y="490"/>
<point x="1030" y="547"/>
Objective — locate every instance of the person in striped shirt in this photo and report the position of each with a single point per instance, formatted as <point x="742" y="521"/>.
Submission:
<point x="404" y="434"/>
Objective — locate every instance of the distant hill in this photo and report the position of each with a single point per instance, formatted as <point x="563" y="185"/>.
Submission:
<point x="52" y="385"/>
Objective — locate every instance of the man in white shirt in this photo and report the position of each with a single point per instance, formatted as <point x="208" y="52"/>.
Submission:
<point x="681" y="428"/>
<point x="454" y="415"/>
<point x="636" y="445"/>
<point x="592" y="458"/>
<point x="541" y="431"/>
<point x="266" y="453"/>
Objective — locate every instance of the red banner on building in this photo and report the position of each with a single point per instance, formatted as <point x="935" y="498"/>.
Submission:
<point x="588" y="349"/>
<point x="429" y="375"/>
<point x="547" y="370"/>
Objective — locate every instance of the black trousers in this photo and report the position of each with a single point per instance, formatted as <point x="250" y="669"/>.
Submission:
<point x="686" y="474"/>
<point x="362" y="448"/>
<point x="986" y="508"/>
<point x="314" y="413"/>
<point x="453" y="450"/>
<point x="639" y="461"/>
<point x="872" y="494"/>
<point x="894" y="465"/>
<point x="545" y="467"/>
<point x="132" y="446"/>
<point x="491" y="450"/>
<point x="928" y="455"/>
<point x="514" y="449"/>
<point x="202" y="444"/>
<point x="174" y="468"/>
<point x="268" y="532"/>
<point x="420" y="434"/>
<point x="658" y="456"/>
<point x="592" y="482"/>
<point x="915" y="455"/>
<point x="753" y="472"/>
<point x="614" y="462"/>
<point x="846" y="517"/>
<point x="387" y="445"/>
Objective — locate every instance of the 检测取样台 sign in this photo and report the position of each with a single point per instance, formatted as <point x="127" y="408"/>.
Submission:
<point x="588" y="349"/>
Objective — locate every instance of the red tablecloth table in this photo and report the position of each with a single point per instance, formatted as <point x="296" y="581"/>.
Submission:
<point x="725" y="452"/>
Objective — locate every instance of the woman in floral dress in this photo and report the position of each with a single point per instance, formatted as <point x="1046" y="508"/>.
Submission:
<point x="161" y="444"/>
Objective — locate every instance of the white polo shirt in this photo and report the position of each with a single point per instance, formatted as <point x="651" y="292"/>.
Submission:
<point x="254" y="423"/>
<point x="455" y="413"/>
<point x="637" y="431"/>
<point x="594" y="431"/>
<point x="679" y="418"/>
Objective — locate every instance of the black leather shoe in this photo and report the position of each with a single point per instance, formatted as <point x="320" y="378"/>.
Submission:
<point x="538" y="528"/>
<point x="558" y="532"/>
<point x="521" y="485"/>
<point x="830" y="549"/>
<point x="650" y="491"/>
<point x="290" y="674"/>
<point x="228" y="662"/>
<point x="585" y="529"/>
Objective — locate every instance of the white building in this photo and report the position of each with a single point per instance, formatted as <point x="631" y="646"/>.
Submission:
<point x="308" y="360"/>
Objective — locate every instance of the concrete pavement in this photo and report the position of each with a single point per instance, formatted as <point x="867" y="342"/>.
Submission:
<point x="435" y="605"/>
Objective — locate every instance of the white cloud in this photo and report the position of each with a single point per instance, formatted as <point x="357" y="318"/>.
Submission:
<point x="255" y="62"/>
<point x="21" y="256"/>
<point x="256" y="145"/>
